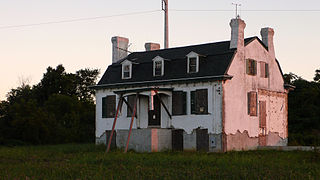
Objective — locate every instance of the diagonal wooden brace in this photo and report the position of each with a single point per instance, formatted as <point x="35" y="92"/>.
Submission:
<point x="114" y="122"/>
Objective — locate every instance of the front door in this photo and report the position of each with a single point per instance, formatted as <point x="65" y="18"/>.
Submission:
<point x="155" y="114"/>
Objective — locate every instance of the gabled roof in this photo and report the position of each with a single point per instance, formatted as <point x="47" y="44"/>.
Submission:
<point x="214" y="61"/>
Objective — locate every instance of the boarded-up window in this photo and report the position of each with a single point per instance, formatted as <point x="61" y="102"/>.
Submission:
<point x="199" y="101"/>
<point x="252" y="103"/>
<point x="264" y="70"/>
<point x="108" y="106"/>
<point x="251" y="67"/>
<point x="131" y="100"/>
<point x="179" y="103"/>
<point x="262" y="114"/>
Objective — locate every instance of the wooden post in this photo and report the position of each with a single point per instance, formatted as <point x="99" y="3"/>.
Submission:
<point x="132" y="118"/>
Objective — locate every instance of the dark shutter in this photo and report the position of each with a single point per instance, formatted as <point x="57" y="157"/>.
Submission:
<point x="252" y="103"/>
<point x="262" y="114"/>
<point x="131" y="101"/>
<point x="178" y="103"/>
<point x="262" y="69"/>
<point x="248" y="66"/>
<point x="104" y="107"/>
<point x="193" y="102"/>
<point x="254" y="66"/>
<point x="266" y="70"/>
<point x="202" y="101"/>
<point x="111" y="106"/>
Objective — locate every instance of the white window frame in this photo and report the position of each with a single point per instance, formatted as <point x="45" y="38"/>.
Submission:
<point x="193" y="55"/>
<point x="158" y="59"/>
<point x="126" y="63"/>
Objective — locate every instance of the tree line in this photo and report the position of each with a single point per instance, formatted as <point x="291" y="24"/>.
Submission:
<point x="59" y="109"/>
<point x="304" y="110"/>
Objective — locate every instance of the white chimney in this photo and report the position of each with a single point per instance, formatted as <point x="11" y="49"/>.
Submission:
<point x="119" y="48"/>
<point x="151" y="46"/>
<point x="237" y="33"/>
<point x="267" y="39"/>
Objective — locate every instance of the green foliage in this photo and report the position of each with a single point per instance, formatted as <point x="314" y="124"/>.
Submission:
<point x="87" y="161"/>
<point x="59" y="109"/>
<point x="304" y="112"/>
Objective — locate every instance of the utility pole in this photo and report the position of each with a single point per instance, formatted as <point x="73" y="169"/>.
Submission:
<point x="166" y="26"/>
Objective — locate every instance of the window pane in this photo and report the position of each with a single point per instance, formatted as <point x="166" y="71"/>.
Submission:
<point x="202" y="101"/>
<point x="108" y="106"/>
<point x="158" y="68"/>
<point x="192" y="64"/>
<point x="178" y="103"/>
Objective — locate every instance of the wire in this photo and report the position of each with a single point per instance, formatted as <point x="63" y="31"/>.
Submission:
<point x="76" y="20"/>
<point x="252" y="10"/>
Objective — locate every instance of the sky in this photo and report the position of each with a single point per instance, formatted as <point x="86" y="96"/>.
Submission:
<point x="26" y="51"/>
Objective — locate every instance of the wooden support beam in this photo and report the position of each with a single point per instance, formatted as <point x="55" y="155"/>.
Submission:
<point x="132" y="118"/>
<point x="163" y="104"/>
<point x="128" y="105"/>
<point x="114" y="122"/>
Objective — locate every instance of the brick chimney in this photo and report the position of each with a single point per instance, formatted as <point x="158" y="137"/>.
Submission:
<point x="151" y="46"/>
<point x="237" y="33"/>
<point x="267" y="39"/>
<point x="119" y="48"/>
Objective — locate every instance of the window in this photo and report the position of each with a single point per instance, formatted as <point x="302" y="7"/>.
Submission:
<point x="193" y="62"/>
<point x="251" y="66"/>
<point x="252" y="103"/>
<point x="131" y="100"/>
<point x="108" y="106"/>
<point x="199" y="101"/>
<point x="179" y="103"/>
<point x="158" y="66"/>
<point x="126" y="69"/>
<point x="264" y="70"/>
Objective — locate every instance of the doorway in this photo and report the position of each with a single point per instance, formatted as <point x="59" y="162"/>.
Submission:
<point x="154" y="118"/>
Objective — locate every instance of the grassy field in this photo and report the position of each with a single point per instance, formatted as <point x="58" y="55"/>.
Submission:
<point x="87" y="161"/>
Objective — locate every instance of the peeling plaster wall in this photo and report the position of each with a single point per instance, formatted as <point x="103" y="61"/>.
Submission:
<point x="211" y="121"/>
<point x="236" y="119"/>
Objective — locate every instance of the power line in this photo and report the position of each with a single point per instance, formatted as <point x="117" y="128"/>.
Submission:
<point x="248" y="10"/>
<point x="75" y="20"/>
<point x="152" y="11"/>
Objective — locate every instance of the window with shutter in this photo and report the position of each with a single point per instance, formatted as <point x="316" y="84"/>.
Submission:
<point x="251" y="67"/>
<point x="131" y="100"/>
<point x="109" y="106"/>
<point x="202" y="101"/>
<point x="178" y="103"/>
<point x="252" y="103"/>
<point x="262" y="69"/>
<point x="262" y="114"/>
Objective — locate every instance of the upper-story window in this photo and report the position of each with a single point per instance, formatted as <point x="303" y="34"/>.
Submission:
<point x="193" y="62"/>
<point x="264" y="70"/>
<point x="158" y="66"/>
<point x="126" y="69"/>
<point x="251" y="67"/>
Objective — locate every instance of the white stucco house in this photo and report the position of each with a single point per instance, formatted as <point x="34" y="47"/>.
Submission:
<point x="217" y="96"/>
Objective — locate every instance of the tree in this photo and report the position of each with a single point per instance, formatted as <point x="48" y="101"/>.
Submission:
<point x="317" y="76"/>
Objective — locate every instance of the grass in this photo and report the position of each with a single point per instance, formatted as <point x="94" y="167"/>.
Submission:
<point x="87" y="161"/>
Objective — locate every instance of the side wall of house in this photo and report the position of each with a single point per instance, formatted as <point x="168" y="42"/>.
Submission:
<point x="242" y="131"/>
<point x="189" y="122"/>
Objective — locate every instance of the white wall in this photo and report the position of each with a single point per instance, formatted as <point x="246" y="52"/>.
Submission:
<point x="211" y="121"/>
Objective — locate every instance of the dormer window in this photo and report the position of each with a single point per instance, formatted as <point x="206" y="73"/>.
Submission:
<point x="126" y="69"/>
<point x="193" y="62"/>
<point x="158" y="66"/>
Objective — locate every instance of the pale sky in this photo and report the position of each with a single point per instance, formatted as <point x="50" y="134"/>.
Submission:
<point x="26" y="52"/>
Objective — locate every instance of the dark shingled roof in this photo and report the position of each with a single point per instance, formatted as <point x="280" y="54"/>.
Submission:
<point x="214" y="61"/>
